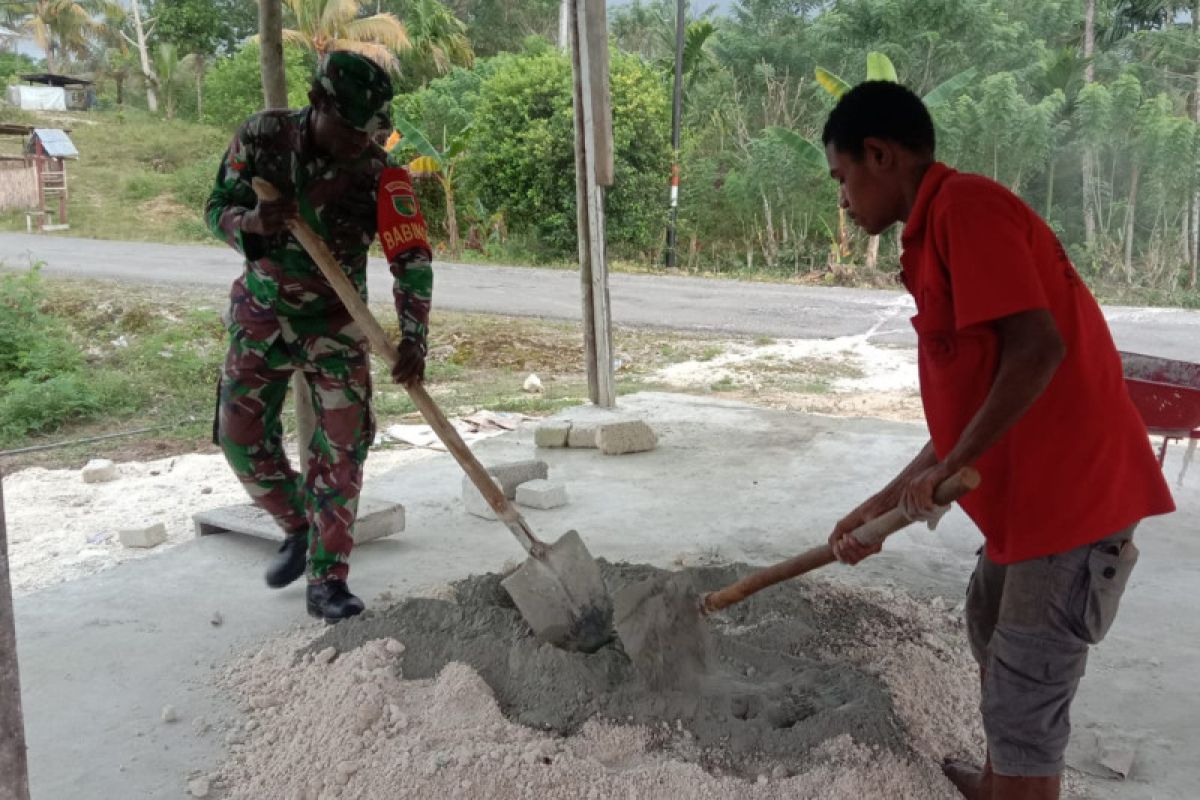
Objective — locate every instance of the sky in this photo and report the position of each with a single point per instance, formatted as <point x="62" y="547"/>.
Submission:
<point x="27" y="47"/>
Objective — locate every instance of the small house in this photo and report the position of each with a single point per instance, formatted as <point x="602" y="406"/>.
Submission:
<point x="33" y="175"/>
<point x="51" y="92"/>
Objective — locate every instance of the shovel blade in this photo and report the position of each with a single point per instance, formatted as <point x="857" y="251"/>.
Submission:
<point x="562" y="596"/>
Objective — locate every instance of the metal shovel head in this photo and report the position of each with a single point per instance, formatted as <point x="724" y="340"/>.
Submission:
<point x="562" y="596"/>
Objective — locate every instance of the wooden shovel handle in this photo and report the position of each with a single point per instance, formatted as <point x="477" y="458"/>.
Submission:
<point x="869" y="533"/>
<point x="347" y="292"/>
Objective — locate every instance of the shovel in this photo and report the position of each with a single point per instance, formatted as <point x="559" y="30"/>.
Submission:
<point x="558" y="589"/>
<point x="661" y="620"/>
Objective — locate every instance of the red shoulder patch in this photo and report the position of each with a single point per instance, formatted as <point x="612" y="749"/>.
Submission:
<point x="401" y="225"/>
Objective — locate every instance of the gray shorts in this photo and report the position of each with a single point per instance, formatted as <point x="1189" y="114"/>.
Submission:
<point x="1030" y="625"/>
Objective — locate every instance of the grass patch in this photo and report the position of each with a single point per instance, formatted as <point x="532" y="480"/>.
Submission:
<point x="83" y="358"/>
<point x="138" y="177"/>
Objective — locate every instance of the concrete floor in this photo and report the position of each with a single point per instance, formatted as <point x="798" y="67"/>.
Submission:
<point x="101" y="656"/>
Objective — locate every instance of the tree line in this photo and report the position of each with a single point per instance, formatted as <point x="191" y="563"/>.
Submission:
<point x="1088" y="109"/>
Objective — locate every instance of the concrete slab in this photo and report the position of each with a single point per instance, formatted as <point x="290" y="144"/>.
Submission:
<point x="376" y="519"/>
<point x="99" y="470"/>
<point x="542" y="494"/>
<point x="631" y="436"/>
<point x="582" y="435"/>
<point x="512" y="474"/>
<point x="473" y="499"/>
<point x="101" y="656"/>
<point x="144" y="536"/>
<point x="552" y="434"/>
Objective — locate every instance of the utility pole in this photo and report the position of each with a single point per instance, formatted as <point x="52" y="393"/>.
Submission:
<point x="676" y="125"/>
<point x="14" y="768"/>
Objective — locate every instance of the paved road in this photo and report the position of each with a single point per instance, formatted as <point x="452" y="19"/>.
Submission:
<point x="694" y="304"/>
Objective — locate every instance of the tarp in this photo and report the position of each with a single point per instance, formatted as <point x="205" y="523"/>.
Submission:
<point x="38" y="98"/>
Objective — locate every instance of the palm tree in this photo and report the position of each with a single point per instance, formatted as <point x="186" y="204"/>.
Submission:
<point x="170" y="69"/>
<point x="61" y="28"/>
<point x="439" y="41"/>
<point x="326" y="25"/>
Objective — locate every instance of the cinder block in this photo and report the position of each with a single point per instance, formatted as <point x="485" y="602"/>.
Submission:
<point x="583" y="434"/>
<point x="542" y="494"/>
<point x="99" y="470"/>
<point x="619" y="438"/>
<point x="514" y="473"/>
<point x="474" y="502"/>
<point x="552" y="434"/>
<point x="149" y="536"/>
<point x="376" y="519"/>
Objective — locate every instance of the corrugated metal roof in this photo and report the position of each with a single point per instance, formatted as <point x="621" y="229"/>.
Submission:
<point x="56" y="143"/>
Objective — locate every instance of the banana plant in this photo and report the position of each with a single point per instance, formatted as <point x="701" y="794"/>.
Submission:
<point x="430" y="162"/>
<point x="881" y="68"/>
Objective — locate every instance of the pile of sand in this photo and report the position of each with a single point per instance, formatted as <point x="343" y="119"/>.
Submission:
<point x="321" y="721"/>
<point x="61" y="529"/>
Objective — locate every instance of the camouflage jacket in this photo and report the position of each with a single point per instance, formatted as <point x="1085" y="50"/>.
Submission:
<point x="282" y="290"/>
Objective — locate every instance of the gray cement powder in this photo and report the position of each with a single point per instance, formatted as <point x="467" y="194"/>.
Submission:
<point x="780" y="686"/>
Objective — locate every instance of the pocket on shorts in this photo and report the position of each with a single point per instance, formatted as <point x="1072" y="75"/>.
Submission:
<point x="1109" y="567"/>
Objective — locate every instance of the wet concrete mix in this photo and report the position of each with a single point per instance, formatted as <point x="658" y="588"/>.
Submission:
<point x="778" y="689"/>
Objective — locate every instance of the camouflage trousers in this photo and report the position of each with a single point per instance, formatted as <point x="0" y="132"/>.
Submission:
<point x="254" y="383"/>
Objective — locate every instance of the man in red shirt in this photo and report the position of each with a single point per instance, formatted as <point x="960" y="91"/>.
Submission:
<point x="1020" y="379"/>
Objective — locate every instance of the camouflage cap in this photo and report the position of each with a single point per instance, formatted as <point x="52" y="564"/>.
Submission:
<point x="360" y="90"/>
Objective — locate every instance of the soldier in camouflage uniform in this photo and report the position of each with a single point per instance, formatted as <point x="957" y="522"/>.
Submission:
<point x="284" y="316"/>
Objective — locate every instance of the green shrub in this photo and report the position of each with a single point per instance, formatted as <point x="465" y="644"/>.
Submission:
<point x="43" y="406"/>
<point x="32" y="344"/>
<point x="522" y="160"/>
<point x="192" y="183"/>
<point x="141" y="187"/>
<point x="233" y="87"/>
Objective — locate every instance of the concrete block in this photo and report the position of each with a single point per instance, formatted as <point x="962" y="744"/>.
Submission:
<point x="148" y="536"/>
<point x="619" y="438"/>
<point x="376" y="519"/>
<point x="542" y="494"/>
<point x="583" y="434"/>
<point x="514" y="473"/>
<point x="552" y="434"/>
<point x="473" y="500"/>
<point x="99" y="470"/>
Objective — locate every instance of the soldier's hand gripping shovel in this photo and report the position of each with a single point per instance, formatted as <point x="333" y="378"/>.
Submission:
<point x="558" y="589"/>
<point x="661" y="620"/>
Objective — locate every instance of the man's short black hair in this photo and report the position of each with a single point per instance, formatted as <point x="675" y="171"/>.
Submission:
<point x="882" y="110"/>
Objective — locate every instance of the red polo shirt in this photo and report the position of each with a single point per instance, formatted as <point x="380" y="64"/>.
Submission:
<point x="1078" y="466"/>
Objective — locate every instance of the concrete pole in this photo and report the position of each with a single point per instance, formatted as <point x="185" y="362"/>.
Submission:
<point x="14" y="769"/>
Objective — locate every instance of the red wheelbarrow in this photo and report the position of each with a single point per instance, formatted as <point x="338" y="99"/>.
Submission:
<point x="1167" y="395"/>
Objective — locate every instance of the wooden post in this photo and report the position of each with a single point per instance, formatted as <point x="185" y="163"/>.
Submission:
<point x="593" y="171"/>
<point x="270" y="57"/>
<point x="14" y="769"/>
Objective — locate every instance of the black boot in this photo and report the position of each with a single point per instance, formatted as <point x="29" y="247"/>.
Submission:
<point x="331" y="600"/>
<point x="289" y="563"/>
